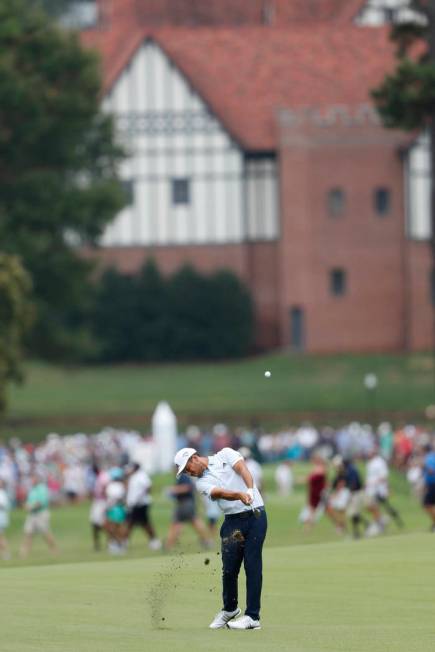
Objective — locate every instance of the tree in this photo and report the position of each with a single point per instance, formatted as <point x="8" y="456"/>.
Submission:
<point x="15" y="318"/>
<point x="187" y="316"/>
<point x="58" y="167"/>
<point x="406" y="98"/>
<point x="130" y="317"/>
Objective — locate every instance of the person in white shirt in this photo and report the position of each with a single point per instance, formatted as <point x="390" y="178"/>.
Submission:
<point x="212" y="514"/>
<point x="116" y="512"/>
<point x="97" y="512"/>
<point x="4" y="520"/>
<point x="224" y="477"/>
<point x="377" y="493"/>
<point x="139" y="503"/>
<point x="254" y="467"/>
<point x="284" y="478"/>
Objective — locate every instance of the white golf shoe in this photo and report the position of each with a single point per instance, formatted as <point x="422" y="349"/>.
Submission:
<point x="223" y="617"/>
<point x="155" y="544"/>
<point x="244" y="622"/>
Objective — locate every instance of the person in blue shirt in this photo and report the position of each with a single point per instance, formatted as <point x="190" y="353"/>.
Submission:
<point x="429" y="485"/>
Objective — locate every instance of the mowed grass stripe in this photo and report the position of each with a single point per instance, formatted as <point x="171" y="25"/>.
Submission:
<point x="332" y="597"/>
<point x="298" y="383"/>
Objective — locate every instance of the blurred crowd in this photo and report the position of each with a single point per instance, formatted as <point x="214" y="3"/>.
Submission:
<point x="102" y="467"/>
<point x="67" y="462"/>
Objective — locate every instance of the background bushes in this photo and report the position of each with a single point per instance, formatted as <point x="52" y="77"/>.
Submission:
<point x="187" y="316"/>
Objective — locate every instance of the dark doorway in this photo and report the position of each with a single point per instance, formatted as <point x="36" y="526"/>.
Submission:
<point x="297" y="329"/>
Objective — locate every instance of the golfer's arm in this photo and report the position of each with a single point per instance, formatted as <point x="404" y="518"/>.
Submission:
<point x="217" y="493"/>
<point x="242" y="470"/>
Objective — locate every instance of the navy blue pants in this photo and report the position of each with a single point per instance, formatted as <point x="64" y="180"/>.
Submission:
<point x="242" y="540"/>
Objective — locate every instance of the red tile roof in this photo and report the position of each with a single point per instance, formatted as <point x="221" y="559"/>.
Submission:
<point x="316" y="10"/>
<point x="246" y="74"/>
<point x="227" y="12"/>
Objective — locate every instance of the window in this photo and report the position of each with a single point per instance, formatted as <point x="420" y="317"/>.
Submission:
<point x="180" y="192"/>
<point x="128" y="188"/>
<point x="382" y="201"/>
<point x="297" y="329"/>
<point x="336" y="202"/>
<point x="338" y="282"/>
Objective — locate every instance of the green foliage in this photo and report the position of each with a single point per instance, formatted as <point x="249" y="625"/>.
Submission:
<point x="15" y="319"/>
<point x="58" y="180"/>
<point x="406" y="99"/>
<point x="187" y="316"/>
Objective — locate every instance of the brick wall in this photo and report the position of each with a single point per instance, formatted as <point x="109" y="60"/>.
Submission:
<point x="374" y="313"/>
<point x="421" y="317"/>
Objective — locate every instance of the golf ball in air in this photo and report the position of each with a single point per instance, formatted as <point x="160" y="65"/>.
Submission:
<point x="267" y="374"/>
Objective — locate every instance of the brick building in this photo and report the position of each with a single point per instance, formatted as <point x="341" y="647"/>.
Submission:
<point x="252" y="146"/>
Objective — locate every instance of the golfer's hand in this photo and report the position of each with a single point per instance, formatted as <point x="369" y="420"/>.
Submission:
<point x="245" y="498"/>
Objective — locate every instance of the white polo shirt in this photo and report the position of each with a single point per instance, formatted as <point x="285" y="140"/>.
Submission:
<point x="377" y="477"/>
<point x="220" y="474"/>
<point x="138" y="489"/>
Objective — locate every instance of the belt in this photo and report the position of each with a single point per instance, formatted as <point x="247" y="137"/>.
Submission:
<point x="246" y="513"/>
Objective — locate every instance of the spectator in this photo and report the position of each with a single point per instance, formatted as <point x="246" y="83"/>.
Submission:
<point x="377" y="492"/>
<point x="357" y="497"/>
<point x="212" y="514"/>
<point x="284" y="478"/>
<point x="339" y="497"/>
<point x="74" y="482"/>
<point x="415" y="476"/>
<point x="4" y="520"/>
<point x="97" y="514"/>
<point x="429" y="484"/>
<point x="183" y="492"/>
<point x="139" y="505"/>
<point x="116" y="513"/>
<point x="386" y="440"/>
<point x="254" y="467"/>
<point x="316" y="485"/>
<point x="38" y="516"/>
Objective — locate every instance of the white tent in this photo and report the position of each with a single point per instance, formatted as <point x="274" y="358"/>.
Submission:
<point x="164" y="427"/>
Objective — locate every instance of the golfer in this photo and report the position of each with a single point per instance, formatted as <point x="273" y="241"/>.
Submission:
<point x="224" y="477"/>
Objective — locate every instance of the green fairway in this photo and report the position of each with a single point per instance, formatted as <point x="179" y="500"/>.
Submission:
<point x="371" y="595"/>
<point x="333" y="595"/>
<point x="323" y="387"/>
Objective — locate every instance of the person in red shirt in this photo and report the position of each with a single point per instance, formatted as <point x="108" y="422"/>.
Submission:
<point x="316" y="485"/>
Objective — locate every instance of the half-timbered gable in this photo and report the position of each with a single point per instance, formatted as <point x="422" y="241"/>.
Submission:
<point x="187" y="180"/>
